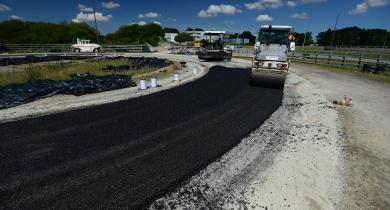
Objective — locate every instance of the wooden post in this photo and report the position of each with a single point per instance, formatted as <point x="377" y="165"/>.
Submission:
<point x="315" y="61"/>
<point x="343" y="59"/>
<point x="360" y="61"/>
<point x="303" y="56"/>
<point x="379" y="59"/>
<point x="329" y="57"/>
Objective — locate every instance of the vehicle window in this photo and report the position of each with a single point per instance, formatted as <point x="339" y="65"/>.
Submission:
<point x="273" y="37"/>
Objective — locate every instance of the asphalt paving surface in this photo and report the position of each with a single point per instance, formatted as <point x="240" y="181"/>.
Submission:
<point x="128" y="153"/>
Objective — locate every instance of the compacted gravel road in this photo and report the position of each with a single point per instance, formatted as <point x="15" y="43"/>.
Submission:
<point x="129" y="153"/>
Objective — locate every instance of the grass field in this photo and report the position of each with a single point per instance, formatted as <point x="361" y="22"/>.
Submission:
<point x="63" y="71"/>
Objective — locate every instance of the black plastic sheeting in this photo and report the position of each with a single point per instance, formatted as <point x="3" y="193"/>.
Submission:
<point x="80" y="84"/>
<point x="110" y="68"/>
<point x="137" y="63"/>
<point x="36" y="59"/>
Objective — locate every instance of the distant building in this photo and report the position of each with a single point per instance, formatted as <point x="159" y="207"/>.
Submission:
<point x="170" y="37"/>
<point x="197" y="35"/>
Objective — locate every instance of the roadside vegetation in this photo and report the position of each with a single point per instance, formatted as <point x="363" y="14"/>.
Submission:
<point x="63" y="71"/>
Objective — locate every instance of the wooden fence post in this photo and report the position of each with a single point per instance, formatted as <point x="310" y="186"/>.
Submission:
<point x="303" y="56"/>
<point x="329" y="57"/>
<point x="315" y="61"/>
<point x="360" y="61"/>
<point x="379" y="59"/>
<point x="343" y="59"/>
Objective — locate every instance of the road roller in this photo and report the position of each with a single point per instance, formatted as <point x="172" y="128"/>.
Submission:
<point x="212" y="47"/>
<point x="270" y="64"/>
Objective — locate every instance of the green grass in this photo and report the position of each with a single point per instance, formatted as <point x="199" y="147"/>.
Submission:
<point x="383" y="77"/>
<point x="63" y="71"/>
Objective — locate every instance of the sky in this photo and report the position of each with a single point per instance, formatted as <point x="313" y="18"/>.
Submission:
<point x="229" y="15"/>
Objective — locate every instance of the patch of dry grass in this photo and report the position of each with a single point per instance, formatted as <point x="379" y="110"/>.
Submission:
<point x="63" y="71"/>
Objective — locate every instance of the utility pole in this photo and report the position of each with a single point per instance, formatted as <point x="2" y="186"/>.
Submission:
<point x="334" y="30"/>
<point x="94" y="15"/>
<point x="304" y="41"/>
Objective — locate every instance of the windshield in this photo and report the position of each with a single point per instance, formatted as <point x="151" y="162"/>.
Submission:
<point x="273" y="37"/>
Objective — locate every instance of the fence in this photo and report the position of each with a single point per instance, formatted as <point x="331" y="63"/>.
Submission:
<point x="346" y="60"/>
<point x="66" y="48"/>
<point x="354" y="60"/>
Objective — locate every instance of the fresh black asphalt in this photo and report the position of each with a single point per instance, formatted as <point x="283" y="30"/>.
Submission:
<point x="128" y="153"/>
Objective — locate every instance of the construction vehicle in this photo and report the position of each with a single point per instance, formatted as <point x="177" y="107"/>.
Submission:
<point x="212" y="46"/>
<point x="85" y="46"/>
<point x="270" y="64"/>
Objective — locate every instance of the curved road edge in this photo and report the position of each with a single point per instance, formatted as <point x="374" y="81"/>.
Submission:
<point x="295" y="160"/>
<point x="64" y="103"/>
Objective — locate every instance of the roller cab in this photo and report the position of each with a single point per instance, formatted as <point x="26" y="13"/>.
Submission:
<point x="270" y="64"/>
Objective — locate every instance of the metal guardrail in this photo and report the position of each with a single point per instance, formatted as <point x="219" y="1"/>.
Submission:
<point x="340" y="60"/>
<point x="66" y="48"/>
<point x="354" y="60"/>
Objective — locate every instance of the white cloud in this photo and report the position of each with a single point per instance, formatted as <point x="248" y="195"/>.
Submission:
<point x="110" y="5"/>
<point x="359" y="9"/>
<point x="156" y="22"/>
<point x="366" y="4"/>
<point x="263" y="4"/>
<point x="291" y="3"/>
<point x="377" y="3"/>
<point x="264" y="18"/>
<point x="83" y="8"/>
<point x="4" y="8"/>
<point x="89" y="17"/>
<point x="302" y="15"/>
<point x="149" y="15"/>
<point x="14" y="17"/>
<point x="141" y="23"/>
<point x="214" y="10"/>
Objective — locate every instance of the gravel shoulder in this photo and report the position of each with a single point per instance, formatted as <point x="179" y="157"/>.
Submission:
<point x="366" y="133"/>
<point x="310" y="154"/>
<point x="295" y="160"/>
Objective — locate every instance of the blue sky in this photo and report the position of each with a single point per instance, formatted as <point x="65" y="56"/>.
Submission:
<point x="229" y="15"/>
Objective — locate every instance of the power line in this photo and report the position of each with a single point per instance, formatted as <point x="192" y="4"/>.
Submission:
<point x="334" y="30"/>
<point x="94" y="15"/>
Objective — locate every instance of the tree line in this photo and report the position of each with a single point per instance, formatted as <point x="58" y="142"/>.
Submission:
<point x="26" y="32"/>
<point x="21" y="32"/>
<point x="354" y="36"/>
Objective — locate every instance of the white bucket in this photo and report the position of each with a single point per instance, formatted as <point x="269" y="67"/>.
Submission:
<point x="153" y="82"/>
<point x="195" y="71"/>
<point x="176" y="77"/>
<point x="45" y="54"/>
<point x="65" y="54"/>
<point x="142" y="84"/>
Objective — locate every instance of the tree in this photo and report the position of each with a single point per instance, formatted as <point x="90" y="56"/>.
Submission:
<point x="171" y="30"/>
<point x="300" y="37"/>
<point x="248" y="35"/>
<point x="198" y="29"/>
<point x="183" y="37"/>
<point x="189" y="29"/>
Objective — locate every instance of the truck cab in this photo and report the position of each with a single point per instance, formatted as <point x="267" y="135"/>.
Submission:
<point x="84" y="45"/>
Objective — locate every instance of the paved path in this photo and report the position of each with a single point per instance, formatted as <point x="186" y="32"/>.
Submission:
<point x="128" y="153"/>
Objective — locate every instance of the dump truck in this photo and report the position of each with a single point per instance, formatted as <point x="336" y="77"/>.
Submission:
<point x="270" y="64"/>
<point x="212" y="46"/>
<point x="85" y="46"/>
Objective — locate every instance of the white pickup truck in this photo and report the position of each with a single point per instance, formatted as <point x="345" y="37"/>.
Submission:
<point x="85" y="46"/>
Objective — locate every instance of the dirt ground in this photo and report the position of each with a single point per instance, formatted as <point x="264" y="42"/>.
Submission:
<point x="366" y="129"/>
